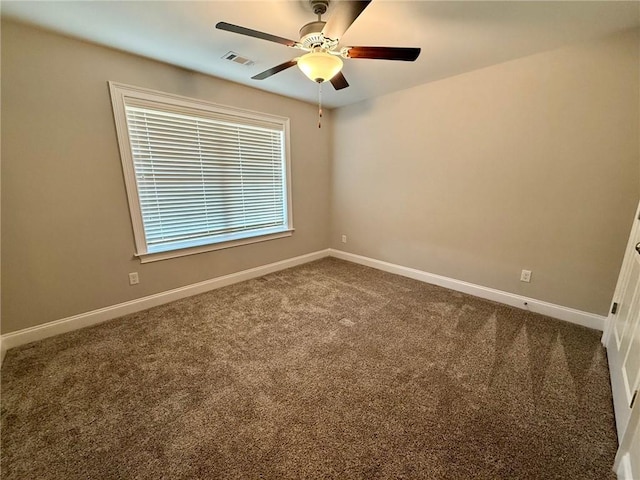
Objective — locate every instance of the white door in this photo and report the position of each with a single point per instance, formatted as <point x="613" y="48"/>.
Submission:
<point x="622" y="339"/>
<point x="627" y="460"/>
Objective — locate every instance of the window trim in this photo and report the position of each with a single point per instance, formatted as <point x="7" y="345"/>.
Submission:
<point x="120" y="93"/>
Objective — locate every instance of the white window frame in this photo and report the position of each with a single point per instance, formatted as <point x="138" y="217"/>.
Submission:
<point x="121" y="95"/>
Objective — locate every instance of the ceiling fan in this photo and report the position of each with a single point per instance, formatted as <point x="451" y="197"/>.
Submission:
<point x="323" y="60"/>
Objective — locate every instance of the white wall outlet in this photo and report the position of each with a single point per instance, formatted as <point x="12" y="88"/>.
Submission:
<point x="133" y="278"/>
<point x="525" y="276"/>
<point x="344" y="239"/>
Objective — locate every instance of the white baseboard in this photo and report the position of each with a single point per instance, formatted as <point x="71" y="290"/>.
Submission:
<point x="3" y="350"/>
<point x="39" y="332"/>
<point x="585" y="319"/>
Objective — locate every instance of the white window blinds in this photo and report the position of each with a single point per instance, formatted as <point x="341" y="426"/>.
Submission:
<point x="203" y="178"/>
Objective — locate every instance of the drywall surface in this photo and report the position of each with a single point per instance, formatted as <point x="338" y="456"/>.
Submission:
<point x="67" y="241"/>
<point x="531" y="164"/>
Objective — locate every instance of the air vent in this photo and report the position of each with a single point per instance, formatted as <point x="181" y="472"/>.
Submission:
<point x="235" y="57"/>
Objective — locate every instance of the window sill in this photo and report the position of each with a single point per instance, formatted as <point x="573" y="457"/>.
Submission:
<point x="183" y="252"/>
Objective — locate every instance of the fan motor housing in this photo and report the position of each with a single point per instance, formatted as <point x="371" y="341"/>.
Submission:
<point x="311" y="34"/>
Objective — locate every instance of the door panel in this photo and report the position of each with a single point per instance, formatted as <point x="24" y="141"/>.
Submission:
<point x="623" y="319"/>
<point x="630" y="345"/>
<point x="622" y="339"/>
<point x="627" y="462"/>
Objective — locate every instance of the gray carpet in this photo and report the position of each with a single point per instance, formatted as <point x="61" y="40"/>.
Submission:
<point x="328" y="370"/>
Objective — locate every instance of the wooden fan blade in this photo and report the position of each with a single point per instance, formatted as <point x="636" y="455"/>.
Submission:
<point x="343" y="16"/>
<point x="254" y="33"/>
<point x="339" y="82"/>
<point x="384" y="53"/>
<point x="274" y="70"/>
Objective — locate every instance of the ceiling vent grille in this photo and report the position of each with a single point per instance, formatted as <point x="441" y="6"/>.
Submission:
<point x="234" y="57"/>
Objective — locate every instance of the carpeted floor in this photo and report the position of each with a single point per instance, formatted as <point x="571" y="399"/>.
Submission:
<point x="328" y="370"/>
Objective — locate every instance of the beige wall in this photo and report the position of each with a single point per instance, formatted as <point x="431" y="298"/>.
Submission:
<point x="528" y="164"/>
<point x="531" y="164"/>
<point x="67" y="242"/>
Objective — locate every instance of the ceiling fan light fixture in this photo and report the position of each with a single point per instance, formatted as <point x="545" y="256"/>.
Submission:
<point x="320" y="66"/>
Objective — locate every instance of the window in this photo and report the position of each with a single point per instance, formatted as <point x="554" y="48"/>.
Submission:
<point x="200" y="176"/>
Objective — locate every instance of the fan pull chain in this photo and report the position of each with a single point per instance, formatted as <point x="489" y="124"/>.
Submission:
<point x="319" y="105"/>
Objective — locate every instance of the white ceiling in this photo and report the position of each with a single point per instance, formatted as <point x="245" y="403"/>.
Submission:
<point x="455" y="36"/>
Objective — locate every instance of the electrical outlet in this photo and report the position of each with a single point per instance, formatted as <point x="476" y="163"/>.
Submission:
<point x="344" y="239"/>
<point x="133" y="278"/>
<point x="525" y="276"/>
